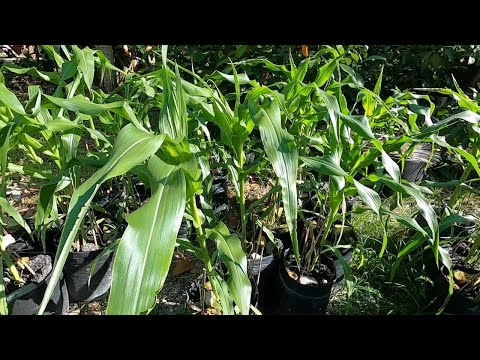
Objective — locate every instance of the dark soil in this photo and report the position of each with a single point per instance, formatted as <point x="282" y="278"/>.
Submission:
<point x="321" y="273"/>
<point x="40" y="264"/>
<point x="19" y="84"/>
<point x="459" y="253"/>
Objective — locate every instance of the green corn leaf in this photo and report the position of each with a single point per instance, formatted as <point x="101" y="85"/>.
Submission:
<point x="69" y="69"/>
<point x="10" y="210"/>
<point x="391" y="166"/>
<point x="378" y="84"/>
<point x="424" y="206"/>
<point x="86" y="64"/>
<point x="325" y="72"/>
<point x="173" y="115"/>
<point x="81" y="104"/>
<point x="47" y="76"/>
<point x="369" y="197"/>
<point x="144" y="255"/>
<point x="9" y="99"/>
<point x="226" y="300"/>
<point x="50" y="50"/>
<point x="324" y="165"/>
<point x="467" y="116"/>
<point x="242" y="78"/>
<point x="359" y="124"/>
<point x="232" y="255"/>
<point x="409" y="222"/>
<point x="282" y="153"/>
<point x="132" y="147"/>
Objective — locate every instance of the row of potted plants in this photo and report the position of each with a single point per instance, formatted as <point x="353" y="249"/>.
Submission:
<point x="323" y="143"/>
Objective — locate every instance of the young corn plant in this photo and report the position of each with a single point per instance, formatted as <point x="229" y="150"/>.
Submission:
<point x="144" y="253"/>
<point x="50" y="135"/>
<point x="343" y="135"/>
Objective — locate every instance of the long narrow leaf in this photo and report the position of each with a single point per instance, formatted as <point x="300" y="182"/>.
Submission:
<point x="145" y="252"/>
<point x="282" y="153"/>
<point x="10" y="100"/>
<point x="231" y="253"/>
<point x="86" y="64"/>
<point x="10" y="210"/>
<point x="132" y="147"/>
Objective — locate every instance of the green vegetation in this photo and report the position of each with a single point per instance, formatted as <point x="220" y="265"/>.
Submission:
<point x="331" y="124"/>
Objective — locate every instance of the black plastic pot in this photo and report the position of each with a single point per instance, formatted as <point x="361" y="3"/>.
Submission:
<point x="77" y="272"/>
<point x="295" y="298"/>
<point x="27" y="299"/>
<point x="459" y="304"/>
<point x="266" y="292"/>
<point x="286" y="241"/>
<point x="414" y="170"/>
<point x="219" y="191"/>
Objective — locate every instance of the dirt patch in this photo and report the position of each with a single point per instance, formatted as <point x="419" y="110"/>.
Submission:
<point x="19" y="84"/>
<point x="172" y="299"/>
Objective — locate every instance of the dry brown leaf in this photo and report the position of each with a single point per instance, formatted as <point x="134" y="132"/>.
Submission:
<point x="211" y="311"/>
<point x="305" y="50"/>
<point x="292" y="274"/>
<point x="460" y="276"/>
<point x="183" y="266"/>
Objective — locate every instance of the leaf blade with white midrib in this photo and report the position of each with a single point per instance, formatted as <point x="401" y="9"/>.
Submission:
<point x="10" y="210"/>
<point x="10" y="100"/>
<point x="283" y="155"/>
<point x="324" y="165"/>
<point x="144" y="254"/>
<point x="86" y="64"/>
<point x="232" y="255"/>
<point x="132" y="147"/>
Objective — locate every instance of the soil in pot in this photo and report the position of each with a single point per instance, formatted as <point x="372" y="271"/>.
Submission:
<point x="303" y="293"/>
<point x="462" y="300"/>
<point x="466" y="284"/>
<point x="264" y="294"/>
<point x="348" y="239"/>
<point x="77" y="272"/>
<point x="36" y="274"/>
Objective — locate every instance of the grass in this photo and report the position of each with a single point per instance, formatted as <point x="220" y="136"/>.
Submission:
<point x="373" y="292"/>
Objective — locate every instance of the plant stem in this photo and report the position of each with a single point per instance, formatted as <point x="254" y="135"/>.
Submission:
<point x="92" y="126"/>
<point x="326" y="231"/>
<point x="241" y="200"/>
<point x="203" y="243"/>
<point x="131" y="190"/>
<point x="456" y="193"/>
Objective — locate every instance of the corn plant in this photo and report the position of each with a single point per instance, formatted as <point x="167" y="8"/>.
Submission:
<point x="144" y="253"/>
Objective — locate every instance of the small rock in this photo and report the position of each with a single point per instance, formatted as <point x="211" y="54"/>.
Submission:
<point x="74" y="312"/>
<point x="308" y="280"/>
<point x="15" y="192"/>
<point x="195" y="307"/>
<point x="209" y="299"/>
<point x="8" y="240"/>
<point x="255" y="256"/>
